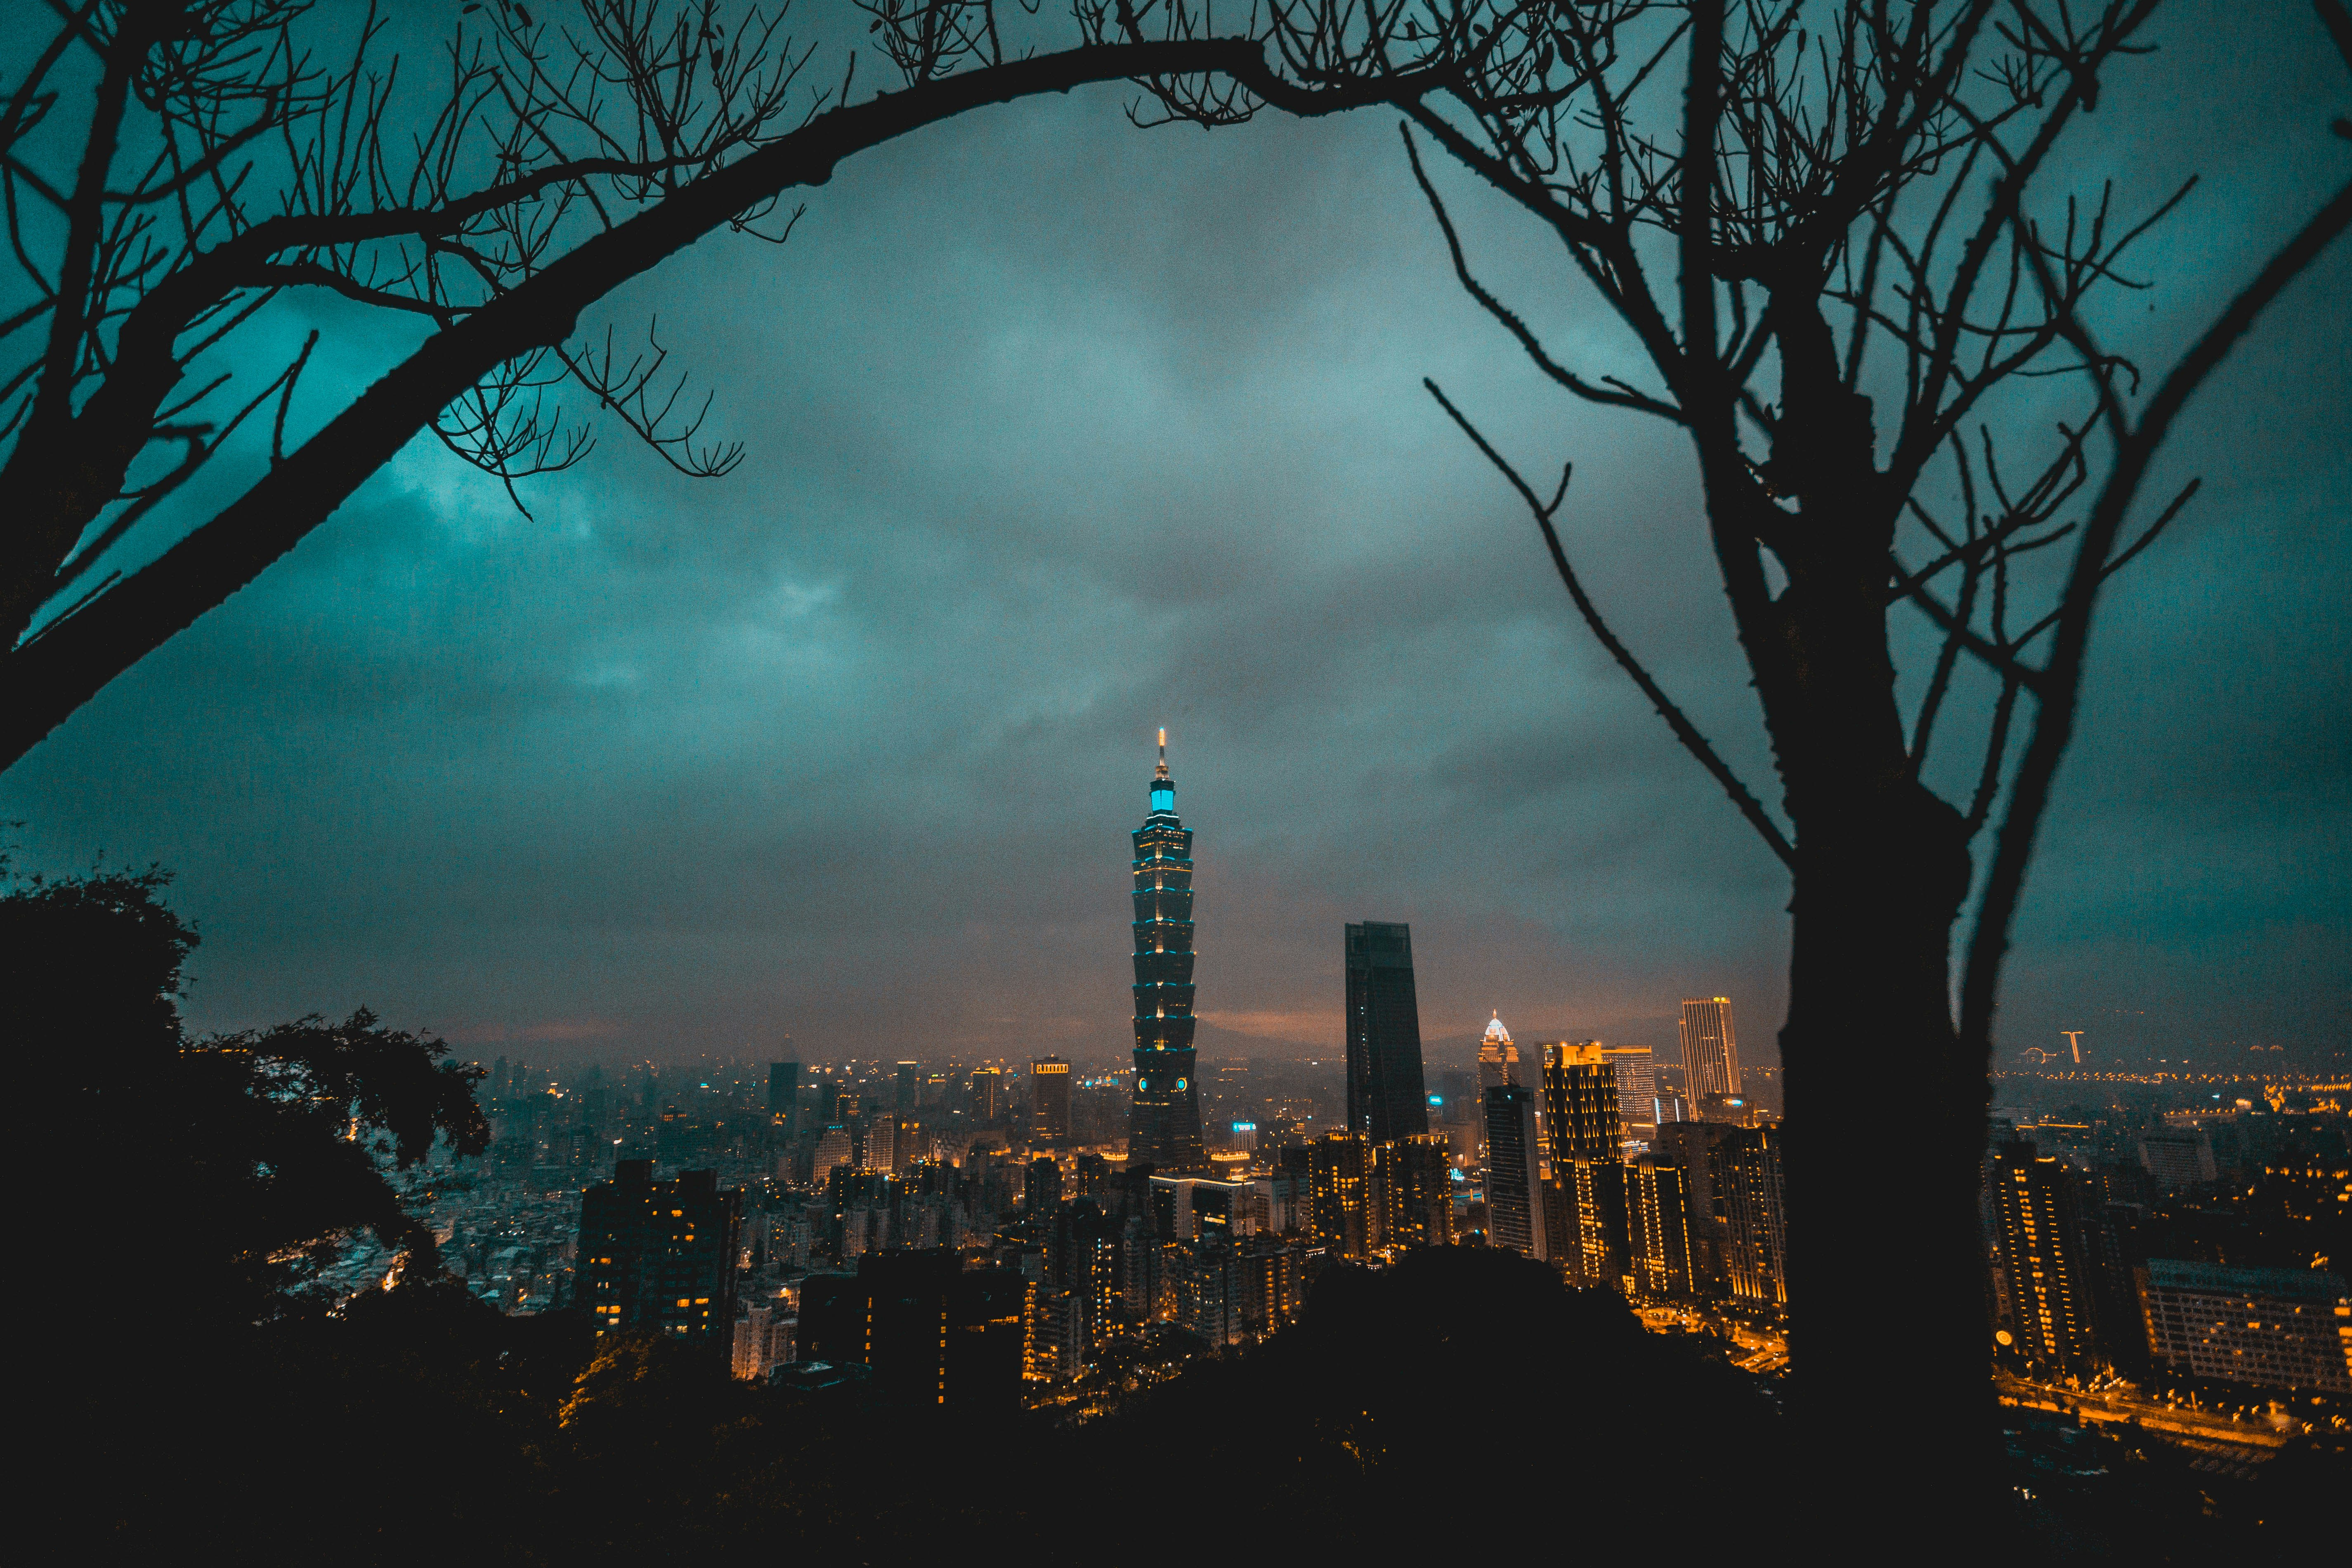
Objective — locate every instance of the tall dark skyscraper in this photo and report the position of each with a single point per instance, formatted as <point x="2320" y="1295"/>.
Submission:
<point x="1386" y="1097"/>
<point x="784" y="1094"/>
<point x="1163" y="1127"/>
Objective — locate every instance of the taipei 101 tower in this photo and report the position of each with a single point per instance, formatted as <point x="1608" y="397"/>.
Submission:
<point x="1164" y="1128"/>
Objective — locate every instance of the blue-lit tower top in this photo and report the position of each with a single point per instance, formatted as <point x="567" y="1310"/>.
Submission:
<point x="1164" y="1124"/>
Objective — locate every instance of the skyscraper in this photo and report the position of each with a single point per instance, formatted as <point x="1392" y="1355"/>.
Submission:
<point x="1337" y="1177"/>
<point x="1586" y="1138"/>
<point x="1498" y="1058"/>
<point x="1515" y="1198"/>
<point x="1657" y="1209"/>
<point x="1049" y="1097"/>
<point x="1710" y="1048"/>
<point x="1387" y="1099"/>
<point x="1164" y="1123"/>
<point x="1580" y="1110"/>
<point x="1415" y="1195"/>
<point x="1759" y="1222"/>
<point x="907" y="1080"/>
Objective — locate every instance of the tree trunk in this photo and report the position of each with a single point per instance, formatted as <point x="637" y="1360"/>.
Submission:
<point x="1885" y="1258"/>
<point x="1885" y="1122"/>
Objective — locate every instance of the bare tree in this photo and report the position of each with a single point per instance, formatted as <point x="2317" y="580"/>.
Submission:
<point x="172" y="167"/>
<point x="1824" y="227"/>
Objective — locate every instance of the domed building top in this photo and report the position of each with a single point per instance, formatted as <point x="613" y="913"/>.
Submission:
<point x="1496" y="1034"/>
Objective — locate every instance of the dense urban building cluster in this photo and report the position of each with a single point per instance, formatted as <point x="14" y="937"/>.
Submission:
<point x="974" y="1233"/>
<point x="2182" y="1246"/>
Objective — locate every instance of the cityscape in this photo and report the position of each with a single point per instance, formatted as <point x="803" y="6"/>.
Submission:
<point x="2163" y="1256"/>
<point x="927" y="781"/>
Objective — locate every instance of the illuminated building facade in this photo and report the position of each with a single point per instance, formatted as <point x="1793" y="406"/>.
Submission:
<point x="1337" y="1176"/>
<point x="1387" y="1098"/>
<point x="1657" y="1212"/>
<point x="1637" y="1089"/>
<point x="986" y="1089"/>
<point x="1597" y="1190"/>
<point x="1164" y="1121"/>
<point x="1710" y="1048"/>
<point x="2048" y="1259"/>
<point x="1413" y="1192"/>
<point x="833" y="1149"/>
<point x="659" y="1256"/>
<point x="1581" y="1109"/>
<point x="1049" y="1098"/>
<point x="1515" y="1198"/>
<point x="1498" y="1058"/>
<point x="1757" y="1210"/>
<point x="2261" y="1328"/>
<point x="1700" y="1152"/>
<point x="1585" y="1138"/>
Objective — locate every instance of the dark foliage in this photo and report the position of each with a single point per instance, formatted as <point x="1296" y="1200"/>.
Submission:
<point x="1464" y="1402"/>
<point x="229" y="1167"/>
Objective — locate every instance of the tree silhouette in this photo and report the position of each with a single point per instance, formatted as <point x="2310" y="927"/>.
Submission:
<point x="1824" y="228"/>
<point x="170" y="167"/>
<point x="269" y="1147"/>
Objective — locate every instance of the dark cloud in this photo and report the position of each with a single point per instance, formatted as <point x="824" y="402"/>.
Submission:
<point x="1057" y="432"/>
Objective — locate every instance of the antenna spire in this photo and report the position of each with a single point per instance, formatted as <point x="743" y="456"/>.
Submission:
<point x="1163" y="753"/>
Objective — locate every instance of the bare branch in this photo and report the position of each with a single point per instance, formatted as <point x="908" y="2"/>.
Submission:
<point x="1684" y="730"/>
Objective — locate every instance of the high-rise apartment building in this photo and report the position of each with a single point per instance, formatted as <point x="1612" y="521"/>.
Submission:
<point x="1710" y="1049"/>
<point x="1337" y="1177"/>
<point x="1413" y="1183"/>
<point x="2261" y="1328"/>
<point x="906" y="1082"/>
<point x="1657" y="1212"/>
<point x="1596" y="1195"/>
<point x="1387" y="1098"/>
<point x="659" y="1256"/>
<point x="1164" y="1121"/>
<point x="2048" y="1258"/>
<point x="1515" y="1197"/>
<point x="1758" y="1216"/>
<point x="1701" y="1151"/>
<point x="1049" y="1098"/>
<point x="1637" y="1087"/>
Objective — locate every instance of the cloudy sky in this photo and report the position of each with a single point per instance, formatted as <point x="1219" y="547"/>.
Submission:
<point x="1059" y="432"/>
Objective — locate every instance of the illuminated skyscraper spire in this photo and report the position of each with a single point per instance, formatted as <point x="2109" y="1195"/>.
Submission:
<point x="1164" y="1122"/>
